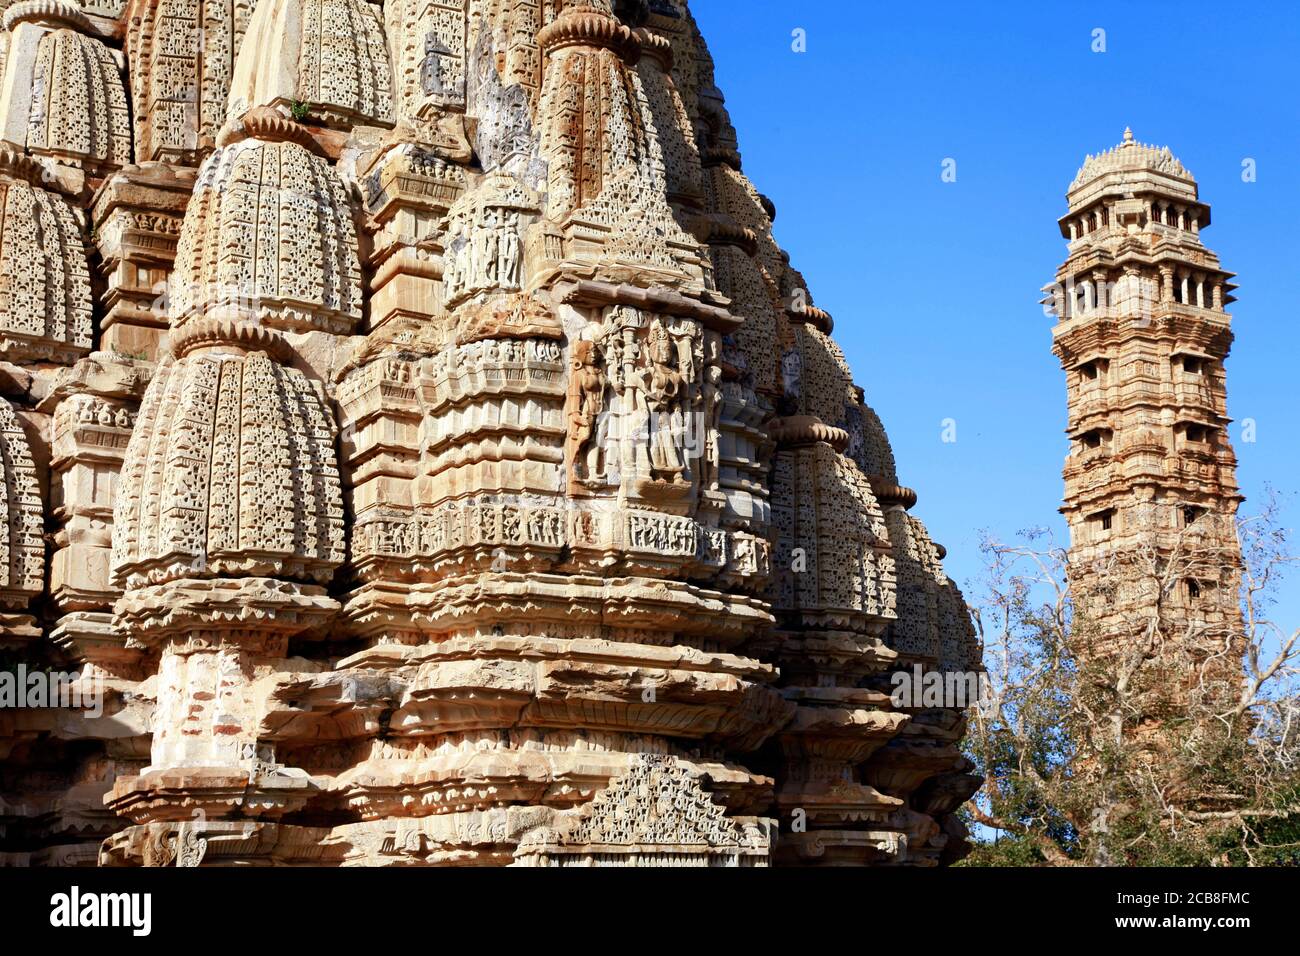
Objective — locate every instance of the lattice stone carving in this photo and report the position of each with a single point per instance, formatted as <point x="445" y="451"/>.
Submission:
<point x="231" y="469"/>
<point x="869" y="445"/>
<point x="823" y="385"/>
<point x="681" y="157"/>
<point x="79" y="112"/>
<point x="182" y="55"/>
<point x="915" y="634"/>
<point x="45" y="308"/>
<point x="268" y="235"/>
<point x="959" y="644"/>
<point x="822" y="506"/>
<point x="427" y="43"/>
<point x="595" y="112"/>
<point x="329" y="55"/>
<point x="22" y="546"/>
<point x="655" y="813"/>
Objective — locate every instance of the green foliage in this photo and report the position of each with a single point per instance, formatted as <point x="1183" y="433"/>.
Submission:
<point x="1005" y="851"/>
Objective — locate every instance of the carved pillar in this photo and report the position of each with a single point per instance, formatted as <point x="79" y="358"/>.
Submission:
<point x="1101" y="296"/>
<point x="408" y="190"/>
<point x="137" y="216"/>
<point x="380" y="420"/>
<point x="94" y="407"/>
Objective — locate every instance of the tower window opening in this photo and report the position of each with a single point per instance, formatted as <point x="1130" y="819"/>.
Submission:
<point x="1193" y="589"/>
<point x="1104" y="520"/>
<point x="1197" y="433"/>
<point x="1094" y="370"/>
<point x="1190" y="514"/>
<point x="1193" y="365"/>
<point x="1095" y="438"/>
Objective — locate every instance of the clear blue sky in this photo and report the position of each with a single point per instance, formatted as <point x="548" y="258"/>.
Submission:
<point x="934" y="285"/>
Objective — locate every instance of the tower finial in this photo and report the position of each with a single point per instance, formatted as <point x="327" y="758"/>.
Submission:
<point x="1128" y="134"/>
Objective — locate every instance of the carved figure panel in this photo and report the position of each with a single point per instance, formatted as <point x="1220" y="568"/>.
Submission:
<point x="644" y="406"/>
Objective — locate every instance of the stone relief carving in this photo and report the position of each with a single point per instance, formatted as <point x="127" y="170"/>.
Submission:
<point x="483" y="248"/>
<point x="644" y="404"/>
<point x="655" y="808"/>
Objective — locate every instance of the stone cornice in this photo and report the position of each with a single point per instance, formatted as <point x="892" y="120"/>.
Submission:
<point x="587" y="26"/>
<point x="199" y="334"/>
<point x="52" y="13"/>
<point x="797" y="430"/>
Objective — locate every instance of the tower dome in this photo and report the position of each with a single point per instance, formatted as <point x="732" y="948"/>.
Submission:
<point x="64" y="93"/>
<point x="327" y="56"/>
<point x="45" y="310"/>
<point x="1127" y="167"/>
<point x="231" y="469"/>
<point x="268" y="236"/>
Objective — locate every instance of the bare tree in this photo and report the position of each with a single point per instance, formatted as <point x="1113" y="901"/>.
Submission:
<point x="1145" y="709"/>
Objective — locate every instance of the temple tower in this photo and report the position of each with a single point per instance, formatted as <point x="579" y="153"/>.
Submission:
<point x="1142" y="333"/>
<point x="439" y="460"/>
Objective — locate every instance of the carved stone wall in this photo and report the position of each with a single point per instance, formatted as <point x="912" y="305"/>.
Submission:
<point x="438" y="460"/>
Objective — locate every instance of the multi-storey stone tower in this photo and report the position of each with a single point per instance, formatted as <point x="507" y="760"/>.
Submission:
<point x="1142" y="333"/>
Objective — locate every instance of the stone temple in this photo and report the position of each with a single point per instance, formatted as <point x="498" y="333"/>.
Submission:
<point x="412" y="430"/>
